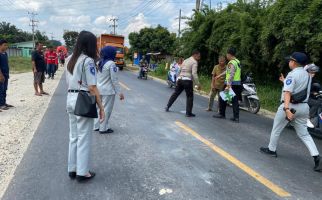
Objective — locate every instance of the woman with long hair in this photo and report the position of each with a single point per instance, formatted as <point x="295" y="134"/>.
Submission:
<point x="81" y="75"/>
<point x="108" y="86"/>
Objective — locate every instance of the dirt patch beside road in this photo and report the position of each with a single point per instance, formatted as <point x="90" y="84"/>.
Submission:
<point x="18" y="125"/>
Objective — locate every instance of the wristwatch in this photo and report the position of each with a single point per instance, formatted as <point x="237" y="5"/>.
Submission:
<point x="285" y="109"/>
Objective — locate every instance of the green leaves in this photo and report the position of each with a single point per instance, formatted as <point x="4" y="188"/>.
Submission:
<point x="70" y="38"/>
<point x="156" y="39"/>
<point x="262" y="31"/>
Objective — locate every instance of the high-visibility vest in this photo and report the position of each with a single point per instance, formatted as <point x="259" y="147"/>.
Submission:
<point x="237" y="77"/>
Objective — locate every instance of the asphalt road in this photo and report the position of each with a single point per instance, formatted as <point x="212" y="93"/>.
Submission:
<point x="157" y="155"/>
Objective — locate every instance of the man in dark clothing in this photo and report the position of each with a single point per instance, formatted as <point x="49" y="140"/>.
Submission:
<point x="38" y="67"/>
<point x="4" y="75"/>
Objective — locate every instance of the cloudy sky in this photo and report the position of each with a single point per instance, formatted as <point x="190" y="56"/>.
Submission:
<point x="95" y="15"/>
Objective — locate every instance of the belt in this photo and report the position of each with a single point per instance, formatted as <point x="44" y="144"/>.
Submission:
<point x="76" y="91"/>
<point x="293" y="103"/>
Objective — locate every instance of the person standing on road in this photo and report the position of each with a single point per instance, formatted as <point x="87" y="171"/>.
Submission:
<point x="81" y="75"/>
<point x="217" y="84"/>
<point x="38" y="68"/>
<point x="294" y="108"/>
<point x="4" y="75"/>
<point x="108" y="86"/>
<point x="232" y="81"/>
<point x="188" y="74"/>
<point x="51" y="58"/>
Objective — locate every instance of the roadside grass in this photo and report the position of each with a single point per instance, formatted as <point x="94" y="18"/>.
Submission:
<point x="19" y="65"/>
<point x="269" y="95"/>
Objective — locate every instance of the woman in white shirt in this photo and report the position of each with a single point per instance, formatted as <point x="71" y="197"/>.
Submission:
<point x="81" y="75"/>
<point x="108" y="86"/>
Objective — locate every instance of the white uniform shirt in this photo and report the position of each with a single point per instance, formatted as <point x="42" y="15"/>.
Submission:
<point x="296" y="81"/>
<point x="189" y="69"/>
<point x="88" y="74"/>
<point x="107" y="80"/>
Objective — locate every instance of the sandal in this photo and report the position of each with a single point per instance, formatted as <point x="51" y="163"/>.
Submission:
<point x="85" y="178"/>
<point x="45" y="93"/>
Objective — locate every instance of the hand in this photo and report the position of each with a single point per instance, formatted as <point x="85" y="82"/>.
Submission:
<point x="121" y="96"/>
<point x="227" y="87"/>
<point x="35" y="70"/>
<point x="282" y="78"/>
<point x="198" y="87"/>
<point x="289" y="115"/>
<point x="217" y="77"/>
<point x="102" y="115"/>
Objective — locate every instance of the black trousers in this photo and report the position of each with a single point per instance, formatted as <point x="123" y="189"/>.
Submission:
<point x="186" y="85"/>
<point x="223" y="104"/>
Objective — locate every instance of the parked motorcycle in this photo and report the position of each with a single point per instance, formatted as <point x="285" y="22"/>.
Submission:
<point x="317" y="120"/>
<point x="250" y="100"/>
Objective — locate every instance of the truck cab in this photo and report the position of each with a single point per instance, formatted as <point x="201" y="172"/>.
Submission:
<point x="116" y="41"/>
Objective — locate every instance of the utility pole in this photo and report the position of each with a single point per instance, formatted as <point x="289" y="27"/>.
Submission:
<point x="52" y="35"/>
<point x="197" y="5"/>
<point x="210" y="4"/>
<point x="114" y="19"/>
<point x="33" y="24"/>
<point x="179" y="33"/>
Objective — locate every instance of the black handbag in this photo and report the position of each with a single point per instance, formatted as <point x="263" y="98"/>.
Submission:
<point x="85" y="103"/>
<point x="300" y="96"/>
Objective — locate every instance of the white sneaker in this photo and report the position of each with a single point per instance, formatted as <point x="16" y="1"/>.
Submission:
<point x="309" y="123"/>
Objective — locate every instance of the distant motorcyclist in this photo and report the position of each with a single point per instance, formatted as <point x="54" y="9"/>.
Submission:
<point x="143" y="64"/>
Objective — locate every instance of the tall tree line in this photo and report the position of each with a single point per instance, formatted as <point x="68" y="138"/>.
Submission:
<point x="262" y="31"/>
<point x="12" y="34"/>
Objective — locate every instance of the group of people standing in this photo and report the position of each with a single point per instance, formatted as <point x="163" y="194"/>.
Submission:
<point x="98" y="79"/>
<point x="224" y="78"/>
<point x="294" y="108"/>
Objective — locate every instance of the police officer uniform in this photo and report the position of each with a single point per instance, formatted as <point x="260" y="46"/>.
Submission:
<point x="80" y="134"/>
<point x="296" y="81"/>
<point x="233" y="78"/>
<point x="188" y="73"/>
<point x="108" y="86"/>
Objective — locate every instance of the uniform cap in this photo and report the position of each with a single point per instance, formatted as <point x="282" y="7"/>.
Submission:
<point x="298" y="57"/>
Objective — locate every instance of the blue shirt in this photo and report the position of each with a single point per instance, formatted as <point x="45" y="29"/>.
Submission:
<point x="4" y="65"/>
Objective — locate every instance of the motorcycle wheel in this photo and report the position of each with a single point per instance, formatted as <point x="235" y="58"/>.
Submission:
<point x="254" y="106"/>
<point x="317" y="133"/>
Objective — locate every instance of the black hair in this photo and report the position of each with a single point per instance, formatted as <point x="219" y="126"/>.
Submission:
<point x="3" y="41"/>
<point x="195" y="51"/>
<point x="232" y="51"/>
<point x="87" y="44"/>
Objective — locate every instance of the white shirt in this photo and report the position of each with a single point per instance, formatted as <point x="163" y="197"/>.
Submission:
<point x="86" y="73"/>
<point x="107" y="80"/>
<point x="296" y="81"/>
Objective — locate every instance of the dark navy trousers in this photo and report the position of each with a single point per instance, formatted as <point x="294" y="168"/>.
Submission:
<point x="3" y="92"/>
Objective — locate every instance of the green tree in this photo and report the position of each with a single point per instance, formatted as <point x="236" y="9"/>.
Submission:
<point x="70" y="38"/>
<point x="157" y="39"/>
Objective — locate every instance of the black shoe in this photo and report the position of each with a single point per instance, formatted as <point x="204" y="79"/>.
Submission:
<point x="219" y="116"/>
<point x="96" y="129"/>
<point x="317" y="166"/>
<point x="267" y="151"/>
<point x="236" y="120"/>
<point x="72" y="175"/>
<point x="166" y="109"/>
<point x="107" y="131"/>
<point x="85" y="178"/>
<point x="190" y="115"/>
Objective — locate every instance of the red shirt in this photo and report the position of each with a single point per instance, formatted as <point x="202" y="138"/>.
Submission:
<point x="51" y="57"/>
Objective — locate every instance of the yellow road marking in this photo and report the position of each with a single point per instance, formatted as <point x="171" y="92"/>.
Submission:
<point x="124" y="86"/>
<point x="276" y="189"/>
